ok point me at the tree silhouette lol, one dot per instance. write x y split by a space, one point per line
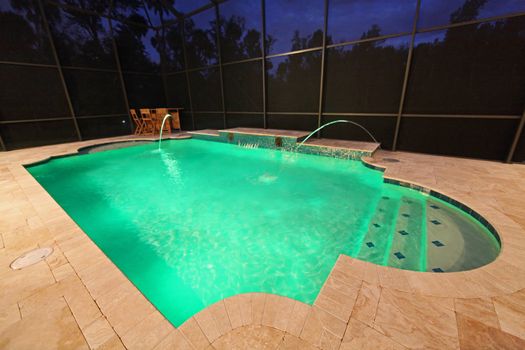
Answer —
201 42
293 85
472 69
80 39
173 47
131 43
238 41
468 11
99 6
30 42
365 77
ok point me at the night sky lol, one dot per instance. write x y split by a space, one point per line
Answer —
348 19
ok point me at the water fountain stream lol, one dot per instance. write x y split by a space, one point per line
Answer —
162 127
334 122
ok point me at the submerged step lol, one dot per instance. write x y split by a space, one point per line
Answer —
447 232
380 230
408 249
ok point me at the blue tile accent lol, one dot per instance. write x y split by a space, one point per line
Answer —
435 222
438 269
399 255
433 206
376 225
370 244
403 232
406 215
437 243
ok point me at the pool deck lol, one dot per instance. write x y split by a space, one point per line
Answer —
77 298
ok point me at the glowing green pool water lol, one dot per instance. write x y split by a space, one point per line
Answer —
199 221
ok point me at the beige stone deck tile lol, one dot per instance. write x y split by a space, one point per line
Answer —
479 309
368 271
49 329
475 335
317 322
416 321
16 285
277 311
61 225
101 277
128 312
291 342
147 333
98 333
438 284
43 299
56 259
233 308
329 341
115 296
284 313
366 304
338 304
9 314
250 337
297 318
82 305
511 313
258 302
25 239
113 343
342 287
174 341
245 306
83 257
34 222
393 278
218 311
6 258
466 287
12 219
63 272
347 272
478 284
194 334
207 324
74 242
359 336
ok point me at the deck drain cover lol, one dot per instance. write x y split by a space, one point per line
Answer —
31 257
391 160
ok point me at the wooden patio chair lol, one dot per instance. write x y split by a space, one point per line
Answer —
139 123
147 118
175 120
160 113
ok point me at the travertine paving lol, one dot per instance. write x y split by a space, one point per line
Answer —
77 298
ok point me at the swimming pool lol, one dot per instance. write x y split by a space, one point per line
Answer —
199 221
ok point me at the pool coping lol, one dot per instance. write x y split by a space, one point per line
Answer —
503 276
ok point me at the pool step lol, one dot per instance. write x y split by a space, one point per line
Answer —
380 231
408 249
446 242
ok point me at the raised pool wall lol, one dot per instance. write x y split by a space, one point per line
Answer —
286 143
